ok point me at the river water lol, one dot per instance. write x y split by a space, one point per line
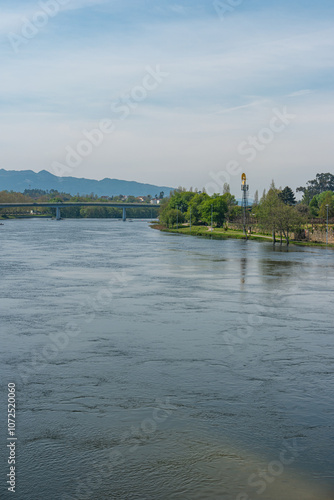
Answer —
156 366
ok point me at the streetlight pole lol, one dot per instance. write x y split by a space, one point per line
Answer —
327 226
190 219
177 217
211 217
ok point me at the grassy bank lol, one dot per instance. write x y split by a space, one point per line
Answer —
216 233
222 234
14 217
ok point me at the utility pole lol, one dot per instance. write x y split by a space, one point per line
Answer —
244 189
177 217
327 226
190 219
211 216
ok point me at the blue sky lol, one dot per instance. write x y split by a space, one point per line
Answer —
228 68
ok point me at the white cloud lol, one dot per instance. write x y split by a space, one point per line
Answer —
224 80
12 20
299 93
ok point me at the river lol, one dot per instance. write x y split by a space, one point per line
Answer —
156 366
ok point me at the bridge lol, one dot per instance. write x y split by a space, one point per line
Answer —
59 205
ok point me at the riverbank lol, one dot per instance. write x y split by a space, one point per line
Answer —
222 234
14 217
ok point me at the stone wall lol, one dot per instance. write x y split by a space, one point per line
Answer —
319 234
316 233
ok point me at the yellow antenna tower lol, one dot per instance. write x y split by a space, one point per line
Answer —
244 189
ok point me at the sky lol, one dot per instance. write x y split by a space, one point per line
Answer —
177 93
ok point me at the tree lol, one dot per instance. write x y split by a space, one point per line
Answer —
195 206
181 200
256 199
322 182
303 209
231 202
170 216
328 199
277 217
226 188
268 211
314 206
94 212
287 196
289 219
219 210
263 195
161 195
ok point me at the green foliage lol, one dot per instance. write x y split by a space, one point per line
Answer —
256 199
268 209
232 204
181 200
234 212
171 216
12 197
226 188
318 204
304 210
276 216
95 212
55 196
198 205
322 182
314 206
218 207
35 193
131 199
326 198
287 196
195 205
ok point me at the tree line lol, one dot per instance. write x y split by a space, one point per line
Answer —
198 207
277 212
53 196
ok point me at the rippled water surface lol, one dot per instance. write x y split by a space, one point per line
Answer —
158 366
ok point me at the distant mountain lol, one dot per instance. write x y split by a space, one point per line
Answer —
13 180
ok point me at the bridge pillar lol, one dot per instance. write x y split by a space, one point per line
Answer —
124 214
58 213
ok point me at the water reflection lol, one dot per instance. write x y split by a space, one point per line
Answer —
243 266
171 332
282 270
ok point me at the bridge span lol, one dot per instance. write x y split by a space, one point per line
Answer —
58 206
